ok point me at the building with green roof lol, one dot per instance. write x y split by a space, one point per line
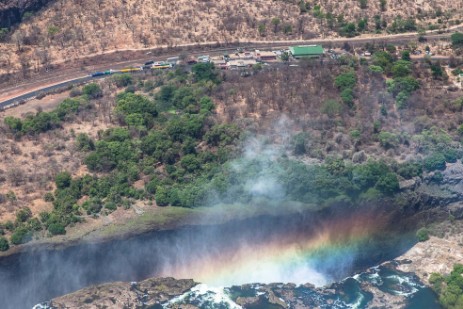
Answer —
307 51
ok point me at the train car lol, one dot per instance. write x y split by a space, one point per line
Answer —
161 65
96 74
129 70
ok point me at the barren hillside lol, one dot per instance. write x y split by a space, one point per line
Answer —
66 30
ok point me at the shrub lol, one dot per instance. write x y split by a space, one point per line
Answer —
21 235
331 108
162 196
4 244
63 180
422 234
434 162
299 143
388 139
48 197
93 91
56 229
346 80
110 206
457 40
122 80
23 214
388 184
84 142
409 170
376 69
347 96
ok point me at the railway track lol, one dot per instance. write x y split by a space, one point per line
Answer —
77 78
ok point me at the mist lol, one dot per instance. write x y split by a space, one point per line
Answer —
278 246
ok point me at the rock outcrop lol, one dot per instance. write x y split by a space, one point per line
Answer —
148 293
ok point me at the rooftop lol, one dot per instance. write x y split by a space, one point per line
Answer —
306 50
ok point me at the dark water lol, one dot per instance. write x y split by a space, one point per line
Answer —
39 275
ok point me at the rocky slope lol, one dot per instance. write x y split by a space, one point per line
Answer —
438 254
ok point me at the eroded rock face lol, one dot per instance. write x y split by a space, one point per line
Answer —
150 292
434 255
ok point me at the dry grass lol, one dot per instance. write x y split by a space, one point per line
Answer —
28 165
67 30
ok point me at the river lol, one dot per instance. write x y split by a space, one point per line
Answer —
297 248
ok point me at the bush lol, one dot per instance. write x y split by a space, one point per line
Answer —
162 196
93 91
110 206
123 80
331 108
346 80
63 180
388 184
457 40
56 229
299 143
422 234
84 142
4 244
23 214
21 235
388 139
409 170
434 162
347 97
48 197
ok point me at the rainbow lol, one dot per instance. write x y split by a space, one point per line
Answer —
297 257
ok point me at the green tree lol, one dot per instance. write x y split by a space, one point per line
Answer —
363 4
436 161
93 91
123 80
275 22
346 80
204 72
388 140
347 96
162 196
457 40
262 29
362 24
388 184
84 142
23 214
14 124
4 245
21 235
56 229
63 180
401 68
406 55
285 56
299 143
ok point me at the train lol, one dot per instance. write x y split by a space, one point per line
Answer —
149 65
